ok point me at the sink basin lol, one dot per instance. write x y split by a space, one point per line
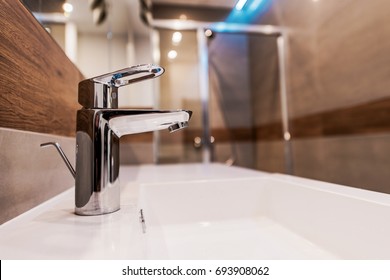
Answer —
273 217
195 211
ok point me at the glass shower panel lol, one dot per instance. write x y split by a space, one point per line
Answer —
179 88
243 73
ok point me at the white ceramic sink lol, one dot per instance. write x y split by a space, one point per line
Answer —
273 217
195 211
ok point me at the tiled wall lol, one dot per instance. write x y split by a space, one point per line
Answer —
29 174
338 71
338 67
338 92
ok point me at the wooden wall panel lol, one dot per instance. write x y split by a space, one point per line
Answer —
38 83
364 119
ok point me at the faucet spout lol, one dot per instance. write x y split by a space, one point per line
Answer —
123 122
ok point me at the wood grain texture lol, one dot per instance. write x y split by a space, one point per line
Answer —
38 83
363 119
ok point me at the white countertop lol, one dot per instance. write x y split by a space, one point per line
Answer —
196 211
53 231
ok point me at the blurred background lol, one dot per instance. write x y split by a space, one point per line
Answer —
291 86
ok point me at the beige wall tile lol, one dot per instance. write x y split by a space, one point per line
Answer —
29 174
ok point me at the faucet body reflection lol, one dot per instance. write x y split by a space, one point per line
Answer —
97 151
100 124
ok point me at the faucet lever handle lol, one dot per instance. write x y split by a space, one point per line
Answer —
125 76
102 91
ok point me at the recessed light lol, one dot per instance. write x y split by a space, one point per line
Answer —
172 54
67 7
176 37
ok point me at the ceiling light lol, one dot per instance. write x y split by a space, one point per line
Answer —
176 37
172 54
67 7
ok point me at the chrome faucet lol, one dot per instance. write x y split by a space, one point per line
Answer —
100 124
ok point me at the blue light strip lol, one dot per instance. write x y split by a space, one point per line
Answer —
248 11
240 4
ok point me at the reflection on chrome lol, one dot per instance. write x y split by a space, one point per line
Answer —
100 124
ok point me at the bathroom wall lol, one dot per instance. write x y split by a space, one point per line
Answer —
230 106
338 92
38 103
179 89
338 68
